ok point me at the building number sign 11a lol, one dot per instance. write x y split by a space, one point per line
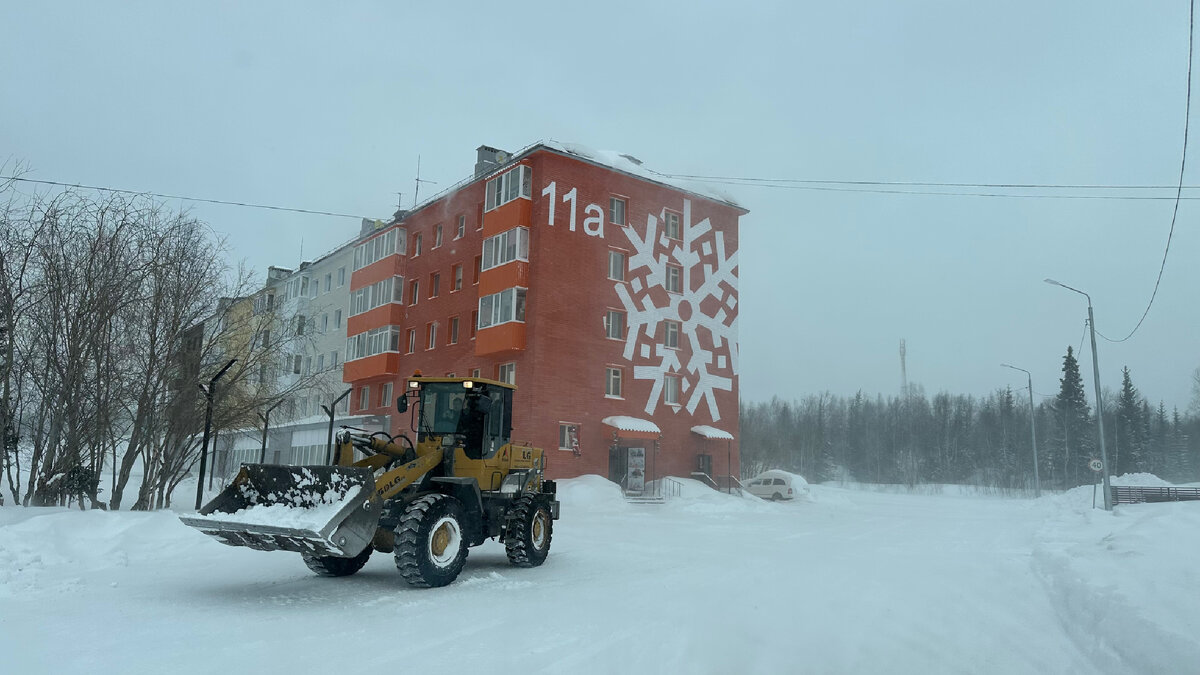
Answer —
593 221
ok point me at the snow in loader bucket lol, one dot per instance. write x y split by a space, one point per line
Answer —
319 510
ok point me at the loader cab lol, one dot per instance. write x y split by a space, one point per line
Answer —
476 414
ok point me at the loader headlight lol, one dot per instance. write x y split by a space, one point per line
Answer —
467 384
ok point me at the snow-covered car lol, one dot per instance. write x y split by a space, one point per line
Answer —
777 485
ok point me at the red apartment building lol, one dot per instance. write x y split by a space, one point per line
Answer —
609 297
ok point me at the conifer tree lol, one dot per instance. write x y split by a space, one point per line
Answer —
1073 421
1128 452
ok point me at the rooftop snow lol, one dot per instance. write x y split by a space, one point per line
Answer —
626 163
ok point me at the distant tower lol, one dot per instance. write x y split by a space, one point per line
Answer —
903 370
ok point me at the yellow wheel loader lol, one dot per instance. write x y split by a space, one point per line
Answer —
463 481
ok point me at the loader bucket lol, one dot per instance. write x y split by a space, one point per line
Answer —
319 510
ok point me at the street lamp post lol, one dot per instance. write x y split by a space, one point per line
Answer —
209 391
1099 401
1037 482
331 410
266 420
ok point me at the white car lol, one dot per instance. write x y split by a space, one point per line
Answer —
777 485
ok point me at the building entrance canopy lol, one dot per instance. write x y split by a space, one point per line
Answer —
632 427
712 432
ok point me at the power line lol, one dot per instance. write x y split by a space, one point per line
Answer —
744 180
900 187
1187 108
184 198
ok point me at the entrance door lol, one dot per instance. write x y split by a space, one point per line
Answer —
618 464
704 464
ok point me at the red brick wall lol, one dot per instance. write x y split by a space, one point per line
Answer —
560 374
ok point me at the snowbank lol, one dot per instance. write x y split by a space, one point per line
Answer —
590 493
1116 579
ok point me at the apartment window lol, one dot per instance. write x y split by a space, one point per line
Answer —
374 341
430 335
416 245
385 396
509 186
320 362
377 294
307 365
614 324
616 211
568 436
474 372
329 282
671 334
671 389
412 340
262 373
507 372
324 323
453 331
673 229
364 398
266 338
507 305
462 227
414 292
506 247
300 324
337 318
376 248
437 236
478 268
616 265
297 360
612 382
333 358
674 279
271 301
341 277
303 287
457 286
435 284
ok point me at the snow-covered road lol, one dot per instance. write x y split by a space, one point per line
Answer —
851 582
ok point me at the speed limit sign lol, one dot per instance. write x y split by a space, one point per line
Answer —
1096 465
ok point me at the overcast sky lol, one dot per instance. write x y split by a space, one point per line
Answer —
301 105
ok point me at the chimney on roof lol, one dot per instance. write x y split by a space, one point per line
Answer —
488 158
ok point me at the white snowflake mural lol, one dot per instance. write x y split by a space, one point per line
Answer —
706 311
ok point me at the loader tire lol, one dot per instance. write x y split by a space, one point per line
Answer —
530 529
332 566
431 548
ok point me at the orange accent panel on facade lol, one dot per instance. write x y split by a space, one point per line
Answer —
505 337
387 363
384 268
391 314
513 214
511 274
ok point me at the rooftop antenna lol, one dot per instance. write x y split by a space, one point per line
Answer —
417 191
903 370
